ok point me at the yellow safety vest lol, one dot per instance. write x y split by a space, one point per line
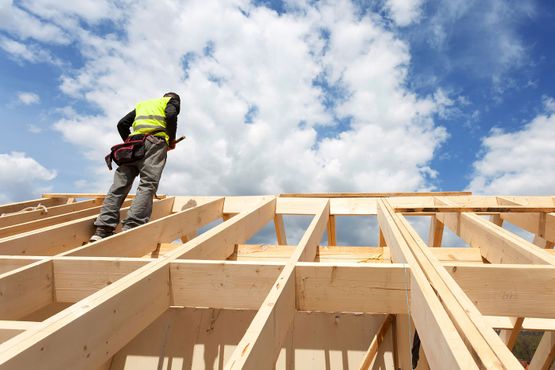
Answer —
150 116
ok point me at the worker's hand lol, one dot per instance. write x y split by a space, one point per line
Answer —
172 145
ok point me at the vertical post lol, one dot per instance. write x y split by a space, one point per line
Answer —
436 233
331 231
280 230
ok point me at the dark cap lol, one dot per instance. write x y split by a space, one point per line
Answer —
172 95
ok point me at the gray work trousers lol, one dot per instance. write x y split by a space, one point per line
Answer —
150 170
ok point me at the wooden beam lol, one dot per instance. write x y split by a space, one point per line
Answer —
509 337
529 323
234 231
19 207
265 336
225 285
10 328
9 263
25 290
20 218
474 209
329 287
53 220
374 195
443 345
473 328
61 238
280 230
496 244
508 290
144 239
378 339
381 239
331 231
545 353
436 233
77 278
109 317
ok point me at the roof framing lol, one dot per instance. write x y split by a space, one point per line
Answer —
193 254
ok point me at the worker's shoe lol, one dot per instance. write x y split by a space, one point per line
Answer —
101 233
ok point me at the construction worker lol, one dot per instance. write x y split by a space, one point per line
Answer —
155 121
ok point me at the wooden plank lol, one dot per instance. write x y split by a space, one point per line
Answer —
240 204
509 337
331 231
53 220
9 328
508 290
442 343
259 252
378 339
529 323
297 206
49 212
75 279
374 195
65 196
110 318
353 206
261 344
281 237
9 263
496 244
489 349
474 209
435 235
381 239
234 231
26 290
329 287
18 207
144 239
308 245
445 254
60 238
545 353
226 285
181 203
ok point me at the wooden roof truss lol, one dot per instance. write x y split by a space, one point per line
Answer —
65 304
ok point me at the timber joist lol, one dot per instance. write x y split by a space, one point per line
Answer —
194 288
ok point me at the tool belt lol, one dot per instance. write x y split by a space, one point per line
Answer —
131 150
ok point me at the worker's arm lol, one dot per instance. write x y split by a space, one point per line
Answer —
125 124
172 110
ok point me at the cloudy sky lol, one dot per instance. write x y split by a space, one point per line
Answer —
284 96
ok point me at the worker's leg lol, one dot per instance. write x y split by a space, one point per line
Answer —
108 219
151 168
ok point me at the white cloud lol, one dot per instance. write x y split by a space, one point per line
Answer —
28 98
22 177
519 162
27 52
34 129
246 56
404 12
25 25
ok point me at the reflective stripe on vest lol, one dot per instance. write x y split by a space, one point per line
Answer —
150 115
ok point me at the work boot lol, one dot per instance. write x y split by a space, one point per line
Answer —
101 233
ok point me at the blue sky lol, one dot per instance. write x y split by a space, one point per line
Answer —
284 96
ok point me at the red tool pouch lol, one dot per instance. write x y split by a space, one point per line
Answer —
131 150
